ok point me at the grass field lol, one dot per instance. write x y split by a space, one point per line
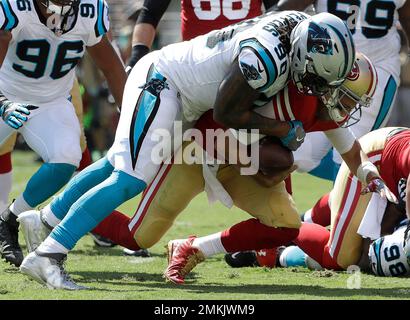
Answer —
110 275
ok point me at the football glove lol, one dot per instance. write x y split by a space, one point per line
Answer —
14 114
295 136
378 185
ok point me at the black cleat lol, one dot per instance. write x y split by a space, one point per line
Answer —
143 253
100 241
241 259
9 232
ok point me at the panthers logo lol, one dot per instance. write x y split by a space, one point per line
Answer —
155 86
250 72
319 40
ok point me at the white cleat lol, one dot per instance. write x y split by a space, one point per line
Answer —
34 229
48 269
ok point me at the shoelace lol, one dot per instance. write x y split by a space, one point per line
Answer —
64 273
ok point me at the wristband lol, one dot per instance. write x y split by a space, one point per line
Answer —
364 169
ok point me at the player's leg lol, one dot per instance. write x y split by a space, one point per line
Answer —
276 223
6 170
174 186
149 105
320 212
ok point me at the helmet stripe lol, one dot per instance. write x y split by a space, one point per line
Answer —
345 49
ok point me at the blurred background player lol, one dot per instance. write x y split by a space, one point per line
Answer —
35 82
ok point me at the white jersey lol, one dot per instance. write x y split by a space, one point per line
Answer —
196 68
39 65
387 257
374 29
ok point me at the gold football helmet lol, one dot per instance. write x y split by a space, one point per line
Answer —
355 92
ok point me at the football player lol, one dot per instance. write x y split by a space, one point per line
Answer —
41 42
374 28
276 220
343 246
226 70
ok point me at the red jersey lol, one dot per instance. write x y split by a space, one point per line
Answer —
395 162
287 105
199 17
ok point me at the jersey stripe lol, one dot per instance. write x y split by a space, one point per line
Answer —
283 104
279 106
265 57
100 27
11 19
388 98
287 104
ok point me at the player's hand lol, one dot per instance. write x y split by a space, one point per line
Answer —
14 114
295 136
378 185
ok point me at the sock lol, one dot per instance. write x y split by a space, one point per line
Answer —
253 235
80 184
49 217
5 179
320 213
85 160
19 206
292 256
210 245
50 178
51 246
95 205
313 240
115 228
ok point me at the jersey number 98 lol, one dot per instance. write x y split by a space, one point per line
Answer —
37 52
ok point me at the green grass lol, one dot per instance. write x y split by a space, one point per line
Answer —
110 275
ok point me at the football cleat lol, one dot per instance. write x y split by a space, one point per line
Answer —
182 258
100 241
35 229
144 253
9 246
241 259
48 269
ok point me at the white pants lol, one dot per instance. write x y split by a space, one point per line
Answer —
150 106
52 131
316 145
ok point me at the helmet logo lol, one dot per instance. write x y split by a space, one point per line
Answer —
250 72
319 40
354 74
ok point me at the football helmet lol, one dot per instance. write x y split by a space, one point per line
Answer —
61 7
322 53
345 104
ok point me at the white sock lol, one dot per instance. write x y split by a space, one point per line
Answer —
20 205
210 245
5 189
49 216
52 246
307 217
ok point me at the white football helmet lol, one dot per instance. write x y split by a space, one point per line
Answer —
322 53
345 105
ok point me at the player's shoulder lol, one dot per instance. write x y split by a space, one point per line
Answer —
14 13
95 15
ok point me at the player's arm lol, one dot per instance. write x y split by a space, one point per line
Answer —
233 108
299 5
5 38
404 17
270 4
145 28
108 61
356 159
364 262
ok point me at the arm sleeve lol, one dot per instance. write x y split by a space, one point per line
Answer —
152 11
341 138
101 23
8 19
268 4
257 64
